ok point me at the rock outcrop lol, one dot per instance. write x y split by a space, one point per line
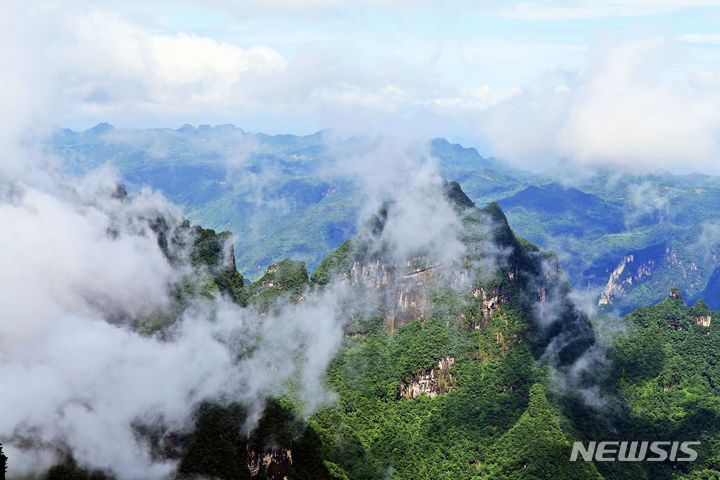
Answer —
431 382
490 300
272 464
404 290
287 278
650 269
702 320
617 283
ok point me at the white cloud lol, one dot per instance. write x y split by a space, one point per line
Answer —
636 103
476 98
80 269
645 199
586 9
307 7
102 66
709 38
108 63
633 106
627 111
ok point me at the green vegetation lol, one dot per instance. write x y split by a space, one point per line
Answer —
535 447
427 437
286 279
287 200
220 448
464 421
213 252
494 415
3 462
333 264
664 385
217 446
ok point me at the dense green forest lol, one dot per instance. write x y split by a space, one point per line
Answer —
466 388
663 383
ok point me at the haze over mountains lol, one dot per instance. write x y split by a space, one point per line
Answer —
433 343
624 238
367 302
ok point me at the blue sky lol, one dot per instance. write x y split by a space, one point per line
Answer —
438 33
525 80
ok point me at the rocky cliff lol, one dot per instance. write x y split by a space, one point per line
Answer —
641 277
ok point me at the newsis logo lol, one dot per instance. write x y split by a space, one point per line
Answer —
634 451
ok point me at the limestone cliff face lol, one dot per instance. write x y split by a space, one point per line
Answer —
654 268
496 268
404 290
272 464
431 382
620 279
490 300
702 320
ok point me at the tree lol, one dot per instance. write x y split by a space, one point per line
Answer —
535 447
3 463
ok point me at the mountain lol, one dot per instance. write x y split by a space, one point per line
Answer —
293 196
281 195
533 446
631 240
438 377
438 360
642 273
484 179
663 384
565 220
470 366
559 211
272 192
433 374
711 294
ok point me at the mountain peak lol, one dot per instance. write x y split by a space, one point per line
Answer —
675 294
494 211
456 196
100 128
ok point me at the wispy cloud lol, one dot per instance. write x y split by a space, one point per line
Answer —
707 38
593 9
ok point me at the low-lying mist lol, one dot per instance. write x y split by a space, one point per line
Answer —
82 268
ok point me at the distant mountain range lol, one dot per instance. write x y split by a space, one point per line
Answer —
623 238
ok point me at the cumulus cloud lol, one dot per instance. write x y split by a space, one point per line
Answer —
638 101
109 62
630 107
118 67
